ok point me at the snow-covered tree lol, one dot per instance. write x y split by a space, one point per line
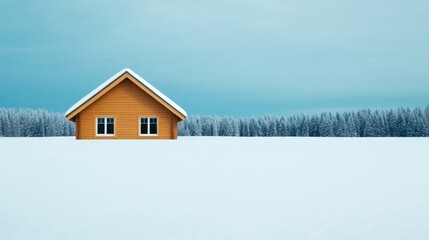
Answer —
24 122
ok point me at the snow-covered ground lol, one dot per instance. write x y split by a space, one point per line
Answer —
215 188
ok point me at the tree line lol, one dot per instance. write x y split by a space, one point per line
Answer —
400 122
25 122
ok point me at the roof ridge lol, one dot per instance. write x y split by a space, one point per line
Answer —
115 77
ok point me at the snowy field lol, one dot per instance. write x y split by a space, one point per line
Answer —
214 188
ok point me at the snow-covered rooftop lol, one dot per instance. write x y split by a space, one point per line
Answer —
116 76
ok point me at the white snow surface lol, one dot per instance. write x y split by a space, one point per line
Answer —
116 76
215 188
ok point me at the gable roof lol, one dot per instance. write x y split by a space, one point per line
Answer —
111 80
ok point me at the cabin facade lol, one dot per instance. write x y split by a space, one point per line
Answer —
126 107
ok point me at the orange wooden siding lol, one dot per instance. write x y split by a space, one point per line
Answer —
126 102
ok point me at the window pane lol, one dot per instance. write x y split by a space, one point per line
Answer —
100 120
100 128
110 120
143 128
110 127
153 120
153 128
143 120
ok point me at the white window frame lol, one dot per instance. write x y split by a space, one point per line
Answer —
105 126
148 126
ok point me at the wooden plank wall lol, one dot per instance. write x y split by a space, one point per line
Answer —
126 102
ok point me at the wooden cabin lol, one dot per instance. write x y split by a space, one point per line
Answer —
126 107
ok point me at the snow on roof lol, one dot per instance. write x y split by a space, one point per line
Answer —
116 76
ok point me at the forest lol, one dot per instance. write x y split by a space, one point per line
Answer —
400 122
25 122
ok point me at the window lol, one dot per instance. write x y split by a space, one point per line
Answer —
149 126
105 126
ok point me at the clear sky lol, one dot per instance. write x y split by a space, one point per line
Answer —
235 58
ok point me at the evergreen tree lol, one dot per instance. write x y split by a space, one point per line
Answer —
326 125
291 128
313 128
303 126
281 126
254 128
272 127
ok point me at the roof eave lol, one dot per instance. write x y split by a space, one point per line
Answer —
71 112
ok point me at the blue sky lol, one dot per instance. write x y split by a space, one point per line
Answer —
235 58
